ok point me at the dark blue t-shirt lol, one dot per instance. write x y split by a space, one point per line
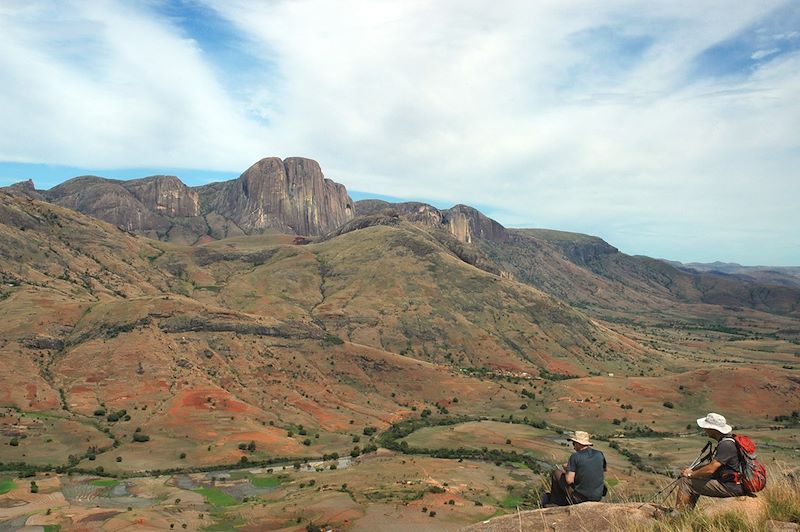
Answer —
589 465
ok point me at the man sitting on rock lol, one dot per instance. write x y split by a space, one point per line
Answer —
583 476
718 477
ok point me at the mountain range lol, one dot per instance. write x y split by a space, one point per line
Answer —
257 308
289 196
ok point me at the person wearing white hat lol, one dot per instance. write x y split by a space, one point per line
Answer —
717 478
583 476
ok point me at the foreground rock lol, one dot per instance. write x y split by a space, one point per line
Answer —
586 517
601 517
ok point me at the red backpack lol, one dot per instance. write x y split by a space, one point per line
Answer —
753 475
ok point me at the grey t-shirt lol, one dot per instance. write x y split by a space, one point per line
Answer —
728 455
588 465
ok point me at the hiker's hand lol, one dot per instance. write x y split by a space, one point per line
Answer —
686 472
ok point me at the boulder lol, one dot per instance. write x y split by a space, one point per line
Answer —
586 517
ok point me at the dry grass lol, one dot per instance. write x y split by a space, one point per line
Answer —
781 501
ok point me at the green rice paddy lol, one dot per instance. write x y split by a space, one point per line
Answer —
271 481
217 497
6 485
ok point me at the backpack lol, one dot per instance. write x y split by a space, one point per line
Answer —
753 475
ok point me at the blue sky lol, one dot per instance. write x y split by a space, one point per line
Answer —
669 129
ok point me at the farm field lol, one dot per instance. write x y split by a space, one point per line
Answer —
457 493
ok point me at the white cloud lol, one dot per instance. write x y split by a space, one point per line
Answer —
761 54
104 84
585 115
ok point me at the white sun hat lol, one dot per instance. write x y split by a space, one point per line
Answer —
716 422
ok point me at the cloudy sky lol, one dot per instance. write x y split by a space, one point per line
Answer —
670 129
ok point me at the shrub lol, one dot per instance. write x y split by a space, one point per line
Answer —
140 438
668 404
307 442
14 442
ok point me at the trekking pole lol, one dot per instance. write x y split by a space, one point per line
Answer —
671 486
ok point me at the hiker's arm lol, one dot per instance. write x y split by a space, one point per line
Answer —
570 477
707 471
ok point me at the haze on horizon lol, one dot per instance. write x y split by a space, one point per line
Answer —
668 129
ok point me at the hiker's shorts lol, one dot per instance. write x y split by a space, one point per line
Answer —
708 487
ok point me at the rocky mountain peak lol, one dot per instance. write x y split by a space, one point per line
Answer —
289 195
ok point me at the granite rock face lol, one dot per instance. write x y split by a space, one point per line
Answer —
159 207
467 224
286 196
166 195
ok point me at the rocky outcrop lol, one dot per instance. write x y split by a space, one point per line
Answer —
23 188
467 224
464 223
285 196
